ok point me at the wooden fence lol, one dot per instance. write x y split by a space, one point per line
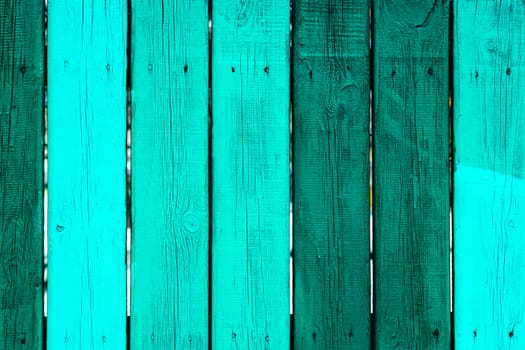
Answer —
208 199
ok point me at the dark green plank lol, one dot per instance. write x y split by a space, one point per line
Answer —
489 173
411 175
21 173
250 172
169 260
331 175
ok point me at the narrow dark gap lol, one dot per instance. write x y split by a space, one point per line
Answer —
44 333
210 177
44 175
291 143
128 51
128 332
371 79
451 162
128 177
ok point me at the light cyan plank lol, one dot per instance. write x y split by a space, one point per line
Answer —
250 175
21 173
87 174
169 160
489 172
331 104
411 175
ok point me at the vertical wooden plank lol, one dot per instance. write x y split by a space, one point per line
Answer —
169 295
250 173
331 175
411 175
87 160
489 40
21 173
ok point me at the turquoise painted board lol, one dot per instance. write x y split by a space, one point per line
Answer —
169 157
411 175
250 175
489 172
331 104
87 174
21 173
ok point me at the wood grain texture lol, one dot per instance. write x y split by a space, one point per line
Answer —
489 307
87 174
250 173
411 175
169 272
21 173
331 175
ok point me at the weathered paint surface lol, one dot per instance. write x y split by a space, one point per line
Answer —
169 157
331 175
411 175
489 196
21 173
87 174
250 175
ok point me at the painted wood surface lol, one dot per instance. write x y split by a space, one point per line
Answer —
489 40
169 272
21 173
411 175
87 174
331 175
250 173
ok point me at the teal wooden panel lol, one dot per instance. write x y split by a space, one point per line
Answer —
489 190
169 271
411 175
21 173
331 104
87 174
250 174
